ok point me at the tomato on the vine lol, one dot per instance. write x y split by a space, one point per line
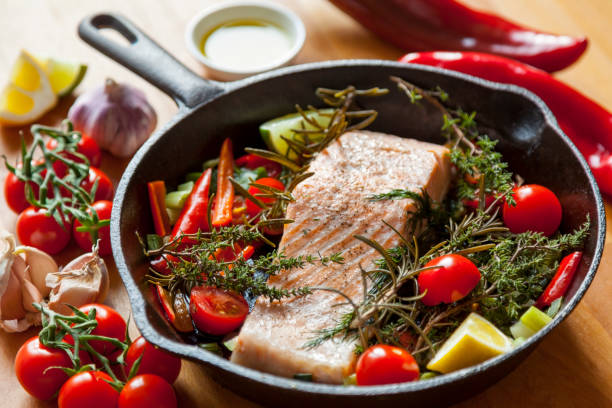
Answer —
153 361
88 389
14 189
537 209
383 364
252 208
35 227
217 311
83 238
454 277
147 391
105 186
32 368
110 324
87 146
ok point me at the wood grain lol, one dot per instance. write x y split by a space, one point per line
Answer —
571 368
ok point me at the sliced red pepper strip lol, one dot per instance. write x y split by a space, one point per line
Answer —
561 281
247 252
224 199
194 216
157 201
583 120
450 25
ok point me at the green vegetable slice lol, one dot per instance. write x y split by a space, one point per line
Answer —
535 319
187 186
194 176
176 199
274 130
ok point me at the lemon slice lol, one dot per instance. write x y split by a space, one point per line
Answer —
473 342
28 95
64 76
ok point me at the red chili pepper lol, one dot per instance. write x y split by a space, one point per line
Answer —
157 200
449 25
194 216
583 120
251 161
224 199
561 281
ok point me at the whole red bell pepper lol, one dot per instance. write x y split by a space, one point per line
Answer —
561 281
414 25
583 120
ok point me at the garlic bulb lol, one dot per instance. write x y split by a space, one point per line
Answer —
117 116
84 280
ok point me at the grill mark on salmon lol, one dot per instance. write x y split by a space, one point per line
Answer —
329 208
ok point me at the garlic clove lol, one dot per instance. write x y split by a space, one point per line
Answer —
29 293
84 280
11 304
40 264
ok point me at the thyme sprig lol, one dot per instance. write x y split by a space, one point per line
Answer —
62 195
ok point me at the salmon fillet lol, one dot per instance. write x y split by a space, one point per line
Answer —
329 208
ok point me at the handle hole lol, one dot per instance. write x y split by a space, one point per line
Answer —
116 36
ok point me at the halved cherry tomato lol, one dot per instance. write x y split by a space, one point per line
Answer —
252 208
105 187
32 368
252 162
83 238
110 324
454 278
147 391
383 364
154 360
89 389
36 228
537 209
217 311
86 146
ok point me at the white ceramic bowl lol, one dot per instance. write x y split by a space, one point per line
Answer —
216 15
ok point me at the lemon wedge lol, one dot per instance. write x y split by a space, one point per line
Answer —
28 94
473 342
64 76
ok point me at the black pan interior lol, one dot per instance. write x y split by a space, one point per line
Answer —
527 137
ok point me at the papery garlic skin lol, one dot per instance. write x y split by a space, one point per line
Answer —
117 116
40 264
84 280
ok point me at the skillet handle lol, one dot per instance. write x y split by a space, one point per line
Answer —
146 58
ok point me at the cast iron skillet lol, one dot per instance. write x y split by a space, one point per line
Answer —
209 111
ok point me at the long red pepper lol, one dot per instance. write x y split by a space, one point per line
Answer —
561 281
224 199
157 195
584 121
194 216
414 25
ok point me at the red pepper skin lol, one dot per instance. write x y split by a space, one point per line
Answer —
584 121
157 194
224 200
194 216
414 25
561 281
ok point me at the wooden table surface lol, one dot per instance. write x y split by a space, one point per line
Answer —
571 368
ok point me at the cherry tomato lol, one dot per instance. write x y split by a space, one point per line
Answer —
454 278
105 187
31 364
217 311
14 190
252 208
110 324
383 364
147 391
88 389
537 209
252 162
103 209
154 360
86 146
36 228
